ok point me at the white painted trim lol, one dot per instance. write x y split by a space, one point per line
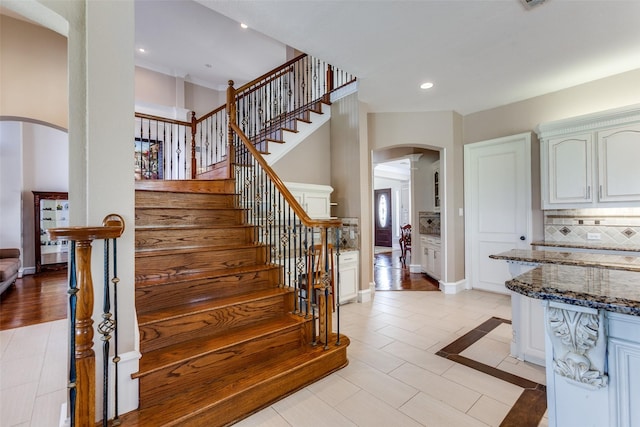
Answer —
415 268
26 271
454 287
364 295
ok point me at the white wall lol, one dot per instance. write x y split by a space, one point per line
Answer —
10 185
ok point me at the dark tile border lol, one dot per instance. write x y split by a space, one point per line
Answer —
532 403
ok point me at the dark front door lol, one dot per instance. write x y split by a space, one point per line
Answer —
383 221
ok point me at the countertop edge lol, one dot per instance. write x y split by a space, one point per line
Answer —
615 305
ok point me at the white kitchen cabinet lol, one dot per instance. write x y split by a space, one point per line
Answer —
618 171
569 172
430 259
624 369
590 161
348 276
315 199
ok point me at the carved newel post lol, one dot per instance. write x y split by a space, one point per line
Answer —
85 362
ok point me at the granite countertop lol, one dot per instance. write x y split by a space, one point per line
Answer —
612 290
584 245
583 259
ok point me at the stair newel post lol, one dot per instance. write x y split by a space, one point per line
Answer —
193 145
329 82
231 118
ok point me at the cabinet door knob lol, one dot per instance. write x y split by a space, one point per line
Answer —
523 238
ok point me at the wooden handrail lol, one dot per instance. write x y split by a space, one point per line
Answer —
85 384
269 73
211 113
163 119
304 217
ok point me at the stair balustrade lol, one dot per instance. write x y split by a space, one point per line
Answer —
301 245
82 370
173 149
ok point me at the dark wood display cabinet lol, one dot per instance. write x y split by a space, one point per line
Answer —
51 210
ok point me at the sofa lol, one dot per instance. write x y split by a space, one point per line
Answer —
9 267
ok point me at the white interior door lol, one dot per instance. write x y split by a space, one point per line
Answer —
498 207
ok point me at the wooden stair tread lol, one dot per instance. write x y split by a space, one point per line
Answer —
206 305
162 358
207 274
202 397
214 186
159 252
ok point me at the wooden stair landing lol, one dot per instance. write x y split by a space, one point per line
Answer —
218 335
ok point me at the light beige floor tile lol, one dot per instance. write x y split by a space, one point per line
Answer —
14 372
503 332
366 410
373 339
493 387
442 389
16 403
384 387
489 411
373 357
5 337
423 358
268 417
488 351
431 412
28 341
407 337
304 409
46 410
333 389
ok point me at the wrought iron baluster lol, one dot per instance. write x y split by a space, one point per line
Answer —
73 302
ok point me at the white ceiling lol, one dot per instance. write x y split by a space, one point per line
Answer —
479 54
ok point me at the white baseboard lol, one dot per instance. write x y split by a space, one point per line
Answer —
415 268
128 394
364 295
454 287
26 271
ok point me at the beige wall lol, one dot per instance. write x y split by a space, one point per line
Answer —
33 72
164 90
310 161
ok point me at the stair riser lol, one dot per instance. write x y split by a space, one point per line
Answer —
211 368
174 265
177 293
173 331
161 199
188 186
251 400
182 238
169 217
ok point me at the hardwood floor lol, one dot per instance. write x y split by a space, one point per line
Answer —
390 275
34 299
43 297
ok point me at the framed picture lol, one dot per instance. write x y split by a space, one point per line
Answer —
148 158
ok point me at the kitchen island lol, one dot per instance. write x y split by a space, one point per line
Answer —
592 341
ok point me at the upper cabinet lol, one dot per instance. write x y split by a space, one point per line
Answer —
590 161
315 199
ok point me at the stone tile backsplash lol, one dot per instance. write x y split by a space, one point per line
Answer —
615 226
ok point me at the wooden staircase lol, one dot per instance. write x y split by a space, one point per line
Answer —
276 134
218 335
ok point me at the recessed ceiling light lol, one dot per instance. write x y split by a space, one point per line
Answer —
426 85
243 25
141 50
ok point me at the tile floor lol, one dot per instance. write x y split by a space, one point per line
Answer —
393 378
